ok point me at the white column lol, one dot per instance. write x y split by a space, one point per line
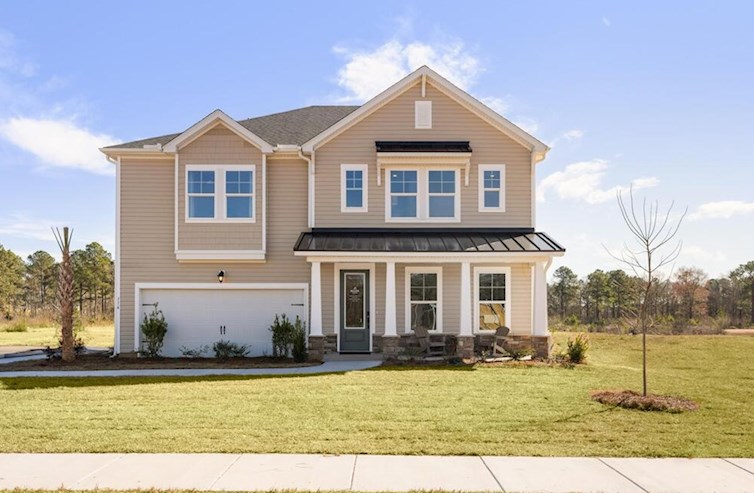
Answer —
315 325
390 322
466 322
539 318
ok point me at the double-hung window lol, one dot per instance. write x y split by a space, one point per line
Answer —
492 287
491 188
424 298
354 184
419 195
201 194
220 193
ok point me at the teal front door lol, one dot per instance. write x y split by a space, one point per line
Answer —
354 311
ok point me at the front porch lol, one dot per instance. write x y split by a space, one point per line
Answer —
370 301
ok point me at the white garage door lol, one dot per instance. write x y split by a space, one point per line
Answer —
198 317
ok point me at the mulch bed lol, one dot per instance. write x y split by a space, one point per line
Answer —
629 399
105 362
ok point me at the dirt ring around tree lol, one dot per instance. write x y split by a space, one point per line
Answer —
628 399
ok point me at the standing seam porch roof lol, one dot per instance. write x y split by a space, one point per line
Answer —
456 240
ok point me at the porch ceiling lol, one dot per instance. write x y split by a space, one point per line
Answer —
456 240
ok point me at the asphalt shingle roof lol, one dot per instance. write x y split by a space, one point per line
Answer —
289 127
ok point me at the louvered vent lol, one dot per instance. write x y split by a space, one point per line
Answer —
423 114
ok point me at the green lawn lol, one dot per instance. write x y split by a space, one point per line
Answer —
405 410
98 336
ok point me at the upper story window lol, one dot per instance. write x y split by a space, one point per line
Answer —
220 193
430 195
353 189
491 188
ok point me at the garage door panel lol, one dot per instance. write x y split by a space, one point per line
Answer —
196 316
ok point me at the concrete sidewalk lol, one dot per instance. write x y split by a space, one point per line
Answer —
374 473
326 367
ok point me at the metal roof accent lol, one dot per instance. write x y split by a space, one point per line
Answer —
422 146
457 240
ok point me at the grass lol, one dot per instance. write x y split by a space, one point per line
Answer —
106 362
96 335
516 410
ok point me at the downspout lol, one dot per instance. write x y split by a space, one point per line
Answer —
310 162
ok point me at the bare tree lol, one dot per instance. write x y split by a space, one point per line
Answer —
653 231
65 293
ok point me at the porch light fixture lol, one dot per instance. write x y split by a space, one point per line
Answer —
220 276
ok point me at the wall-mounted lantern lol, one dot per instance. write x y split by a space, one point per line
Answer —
220 276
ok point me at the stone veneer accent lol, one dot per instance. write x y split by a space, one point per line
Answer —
540 346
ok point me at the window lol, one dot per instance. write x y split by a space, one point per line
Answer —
491 188
238 194
423 114
220 193
422 195
404 189
442 191
492 289
201 194
424 298
353 188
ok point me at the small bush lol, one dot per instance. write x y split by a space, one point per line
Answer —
298 349
227 349
576 349
193 352
282 336
18 326
154 327
629 399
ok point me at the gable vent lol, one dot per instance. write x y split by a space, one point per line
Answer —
423 114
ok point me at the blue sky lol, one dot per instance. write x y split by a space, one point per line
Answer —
659 94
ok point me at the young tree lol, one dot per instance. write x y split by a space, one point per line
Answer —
653 233
40 285
744 274
65 293
565 288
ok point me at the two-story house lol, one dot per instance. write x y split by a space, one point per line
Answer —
416 208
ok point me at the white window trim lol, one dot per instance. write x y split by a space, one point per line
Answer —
427 106
508 301
422 195
481 170
407 296
220 195
364 184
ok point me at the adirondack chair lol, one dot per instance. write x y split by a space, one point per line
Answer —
432 348
501 338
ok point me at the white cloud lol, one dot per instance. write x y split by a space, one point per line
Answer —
367 73
696 254
9 60
529 125
499 105
570 135
24 227
723 209
606 22
59 143
582 182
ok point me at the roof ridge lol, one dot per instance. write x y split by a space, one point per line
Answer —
299 109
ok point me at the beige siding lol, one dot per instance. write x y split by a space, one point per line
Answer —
395 121
220 146
147 222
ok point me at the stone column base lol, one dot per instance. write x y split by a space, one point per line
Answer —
316 348
541 346
390 346
465 346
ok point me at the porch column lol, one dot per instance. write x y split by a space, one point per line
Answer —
390 322
539 310
466 323
315 324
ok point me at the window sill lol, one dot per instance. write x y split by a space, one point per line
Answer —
221 221
199 256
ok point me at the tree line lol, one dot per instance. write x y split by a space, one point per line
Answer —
29 287
686 298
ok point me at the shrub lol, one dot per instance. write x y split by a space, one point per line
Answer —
282 336
298 349
18 326
227 349
576 349
629 399
195 352
154 327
